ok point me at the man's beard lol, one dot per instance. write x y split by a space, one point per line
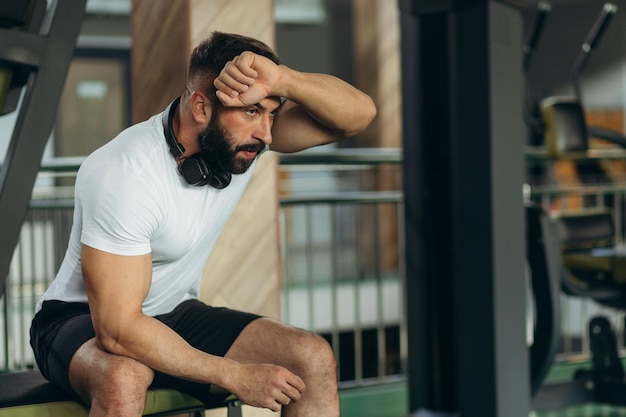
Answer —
216 144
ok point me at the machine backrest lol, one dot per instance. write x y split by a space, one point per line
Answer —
586 229
565 133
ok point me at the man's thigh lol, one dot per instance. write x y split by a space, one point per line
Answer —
58 330
271 341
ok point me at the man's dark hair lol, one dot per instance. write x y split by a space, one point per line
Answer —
209 58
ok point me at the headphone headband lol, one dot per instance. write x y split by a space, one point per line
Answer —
176 148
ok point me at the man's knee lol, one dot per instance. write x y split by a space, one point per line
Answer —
129 373
314 353
109 381
122 386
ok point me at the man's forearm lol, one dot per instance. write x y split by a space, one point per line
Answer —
157 346
332 102
320 108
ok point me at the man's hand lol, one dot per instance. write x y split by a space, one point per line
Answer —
246 80
266 386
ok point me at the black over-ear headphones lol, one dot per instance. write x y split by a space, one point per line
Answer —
195 169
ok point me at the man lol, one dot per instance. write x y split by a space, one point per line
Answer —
122 312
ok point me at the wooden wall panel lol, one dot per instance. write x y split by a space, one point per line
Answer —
245 17
247 256
160 51
377 60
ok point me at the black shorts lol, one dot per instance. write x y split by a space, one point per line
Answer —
60 328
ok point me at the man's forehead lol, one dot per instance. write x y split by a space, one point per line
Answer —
270 104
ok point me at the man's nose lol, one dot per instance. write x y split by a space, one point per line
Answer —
264 131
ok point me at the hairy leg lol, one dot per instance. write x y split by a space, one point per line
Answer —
113 385
304 353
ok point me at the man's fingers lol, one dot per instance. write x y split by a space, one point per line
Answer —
239 71
275 407
229 86
270 386
245 63
228 96
284 399
236 78
296 382
291 393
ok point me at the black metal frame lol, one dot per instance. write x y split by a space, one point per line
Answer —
544 264
47 56
463 139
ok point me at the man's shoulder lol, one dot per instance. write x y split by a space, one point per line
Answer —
135 145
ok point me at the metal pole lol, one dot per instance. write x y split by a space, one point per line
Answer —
48 55
463 174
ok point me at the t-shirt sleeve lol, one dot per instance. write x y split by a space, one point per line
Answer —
120 210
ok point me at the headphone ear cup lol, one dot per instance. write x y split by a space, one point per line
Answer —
220 180
195 170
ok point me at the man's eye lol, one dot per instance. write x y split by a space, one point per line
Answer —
251 112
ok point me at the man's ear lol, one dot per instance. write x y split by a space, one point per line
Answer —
201 107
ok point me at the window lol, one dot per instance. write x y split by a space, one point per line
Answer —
95 105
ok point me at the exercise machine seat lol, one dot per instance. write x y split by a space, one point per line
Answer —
29 394
593 266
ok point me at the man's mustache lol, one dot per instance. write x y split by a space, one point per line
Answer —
250 147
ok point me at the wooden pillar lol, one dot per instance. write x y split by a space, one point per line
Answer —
244 270
377 72
159 54
377 69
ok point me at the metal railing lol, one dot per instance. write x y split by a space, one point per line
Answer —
340 244
342 252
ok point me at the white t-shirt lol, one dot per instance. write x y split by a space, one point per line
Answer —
131 200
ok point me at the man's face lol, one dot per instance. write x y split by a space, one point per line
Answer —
221 148
235 136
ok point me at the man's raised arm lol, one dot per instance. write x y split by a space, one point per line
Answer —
319 108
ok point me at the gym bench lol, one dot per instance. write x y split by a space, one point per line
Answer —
29 394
